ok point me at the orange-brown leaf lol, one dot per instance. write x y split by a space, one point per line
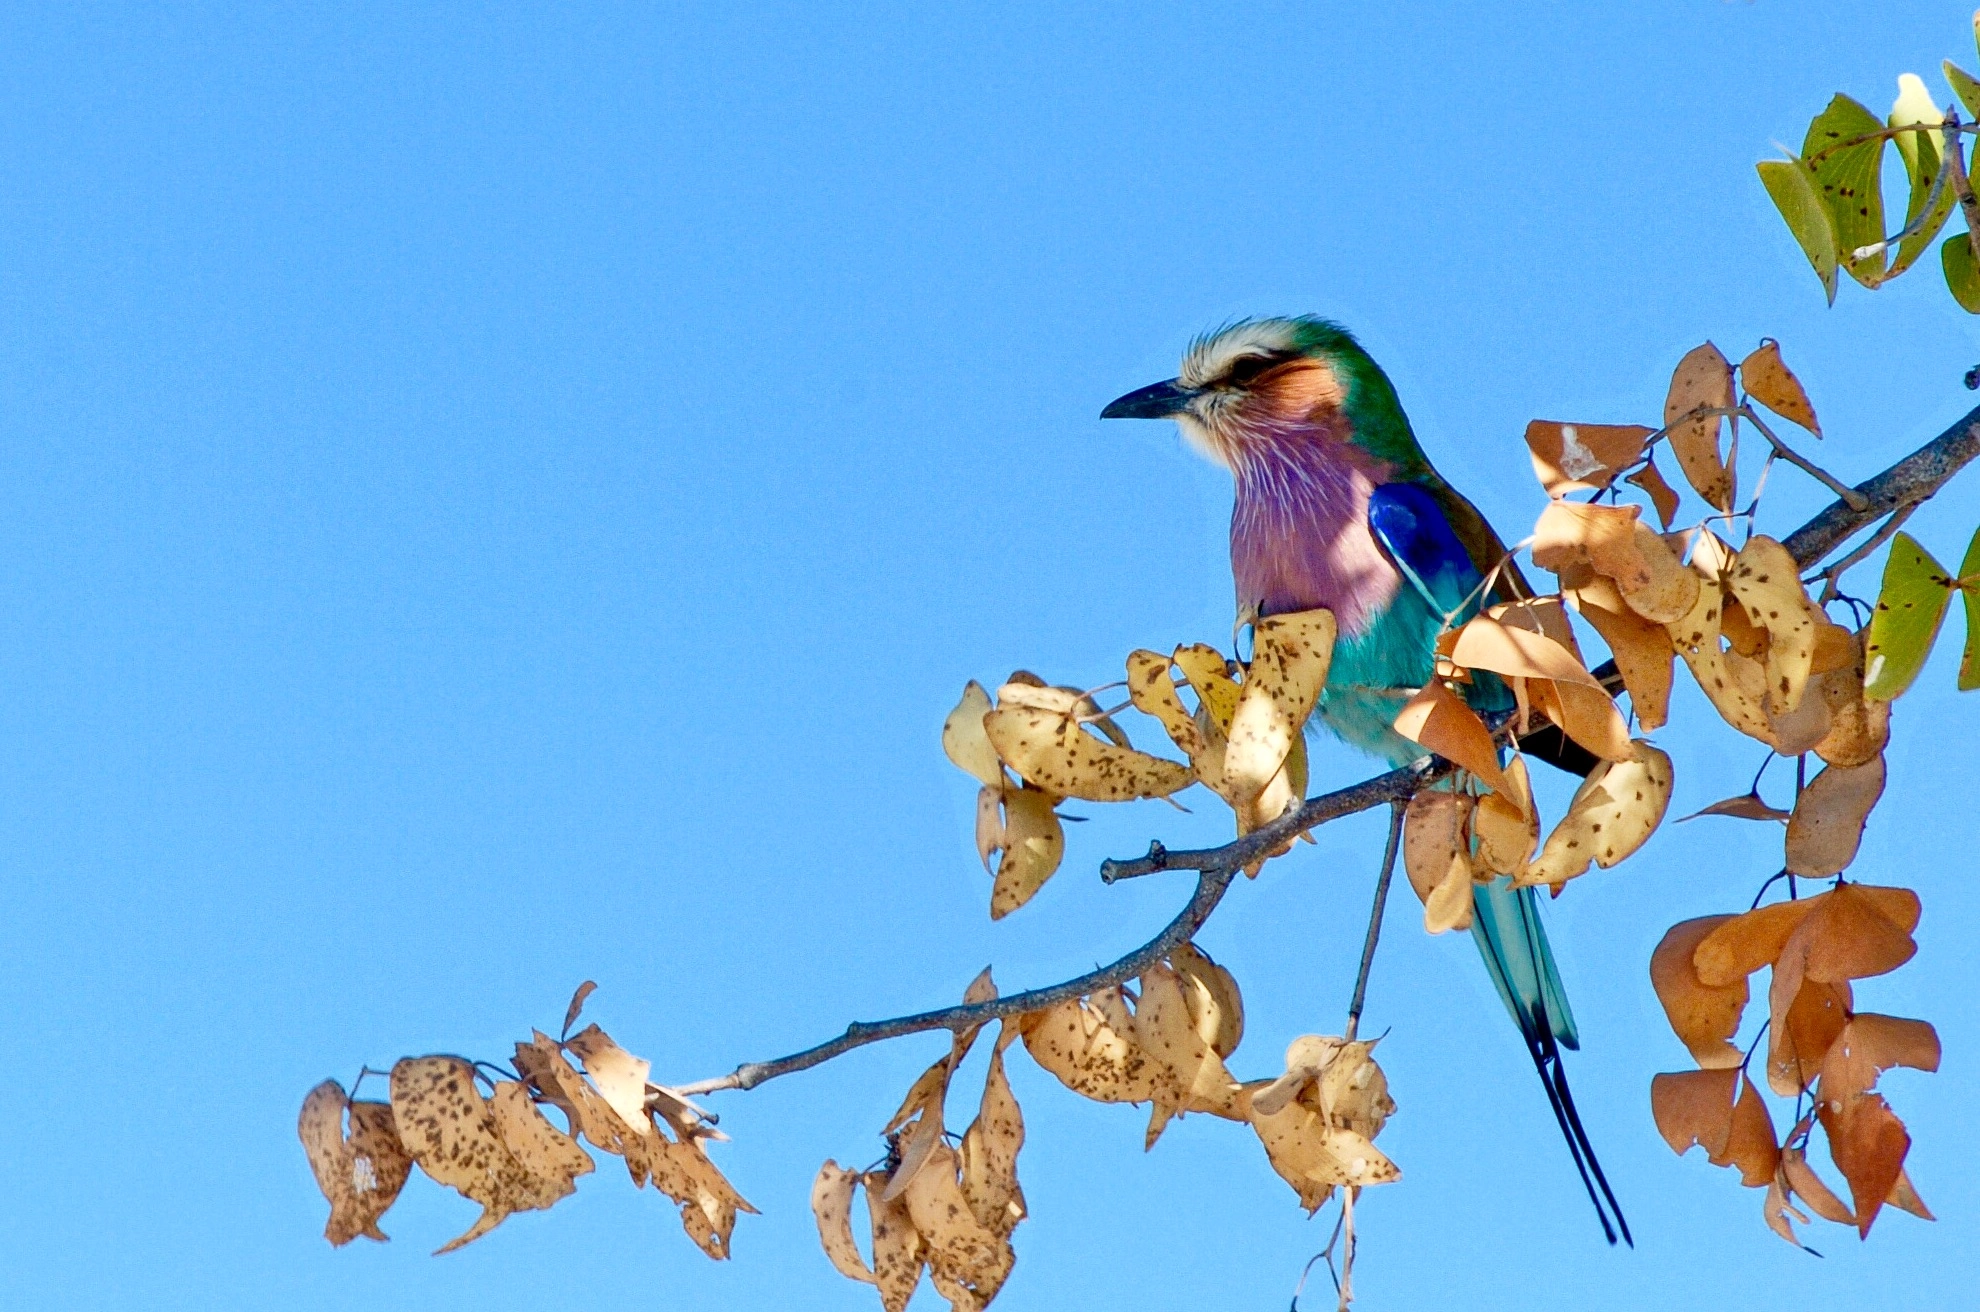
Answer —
1582 457
1705 1017
1662 495
1868 1143
1439 722
1771 383
1702 379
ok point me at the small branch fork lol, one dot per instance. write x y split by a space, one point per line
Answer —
1905 485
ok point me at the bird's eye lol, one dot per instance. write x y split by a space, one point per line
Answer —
1246 369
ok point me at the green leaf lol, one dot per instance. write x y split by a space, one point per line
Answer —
1962 271
1793 191
1922 154
1965 86
1850 181
1909 609
1969 661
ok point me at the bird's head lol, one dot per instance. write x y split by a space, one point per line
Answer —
1264 382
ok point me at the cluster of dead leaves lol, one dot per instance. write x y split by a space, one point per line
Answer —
501 1151
1820 1050
1164 1041
1243 741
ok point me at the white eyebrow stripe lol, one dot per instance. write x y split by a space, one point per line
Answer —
1210 357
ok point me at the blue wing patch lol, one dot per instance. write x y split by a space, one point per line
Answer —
1411 527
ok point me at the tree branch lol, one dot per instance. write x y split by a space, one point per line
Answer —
1912 480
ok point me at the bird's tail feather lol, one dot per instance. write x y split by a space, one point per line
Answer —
1506 926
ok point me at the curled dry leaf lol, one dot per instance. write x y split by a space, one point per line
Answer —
1799 1178
681 1170
1034 693
1827 824
1439 721
1720 1111
1796 1047
1165 1029
1033 841
543 1151
1215 1005
831 1207
1049 749
1613 813
1585 713
1868 1143
1506 826
619 1077
1702 379
1735 686
1290 658
1662 495
1766 581
1859 727
1153 690
576 1008
1088 1043
1602 538
1852 912
1582 457
1747 806
898 1251
990 1150
1771 383
965 743
449 1129
1704 1016
1641 647
361 1175
967 1262
1318 1120
1437 856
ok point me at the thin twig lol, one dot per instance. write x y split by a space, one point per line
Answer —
1375 918
1949 148
1963 188
1833 574
1850 496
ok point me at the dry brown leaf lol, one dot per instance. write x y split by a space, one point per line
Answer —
1049 749
1153 690
1033 843
1613 813
1216 1007
619 1077
360 1175
1486 644
1771 383
989 1153
551 1158
1767 583
1868 1143
1747 942
1076 1042
1314 1158
321 1129
1450 903
1603 538
831 1207
1662 495
964 741
1800 1178
1736 691
990 836
1436 839
1209 675
1506 825
709 1203
1696 1107
898 1250
1868 1045
1747 806
967 1261
541 1063
572 1012
1859 727
1669 589
1438 721
1582 457
1828 820
449 1129
1906 1198
1290 657
1165 1030
1847 933
1703 379
1781 1214
1704 1016
1586 714
1642 648
1795 1047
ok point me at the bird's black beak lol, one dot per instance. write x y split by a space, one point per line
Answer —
1155 401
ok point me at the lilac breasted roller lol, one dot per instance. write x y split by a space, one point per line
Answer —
1337 506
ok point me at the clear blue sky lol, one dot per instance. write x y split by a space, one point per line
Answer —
494 499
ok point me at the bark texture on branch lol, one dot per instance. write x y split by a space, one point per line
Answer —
1912 480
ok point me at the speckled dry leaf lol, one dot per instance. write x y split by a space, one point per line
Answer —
921 1115
572 1012
1438 721
989 1154
552 1158
1546 616
1208 674
541 1062
1868 1144
1051 751
1613 813
1352 1090
1704 1016
321 1129
964 741
681 1170
1165 1030
1153 690
831 1207
989 825
1306 1060
1034 842
1662 495
1642 648
1739 700
1449 905
964 1256
1828 820
1571 533
1586 714
1800 1178
380 1164
1668 590
1486 644
1216 1007
1703 378
898 1251
619 1077
1747 806
1797 1045
1290 656
1090 1056
1436 837
1034 694
450 1131
1767 583
1314 1157
1582 457
1771 383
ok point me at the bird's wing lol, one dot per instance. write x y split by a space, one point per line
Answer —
1412 526
1480 542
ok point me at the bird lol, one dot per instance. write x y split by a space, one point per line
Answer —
1337 506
